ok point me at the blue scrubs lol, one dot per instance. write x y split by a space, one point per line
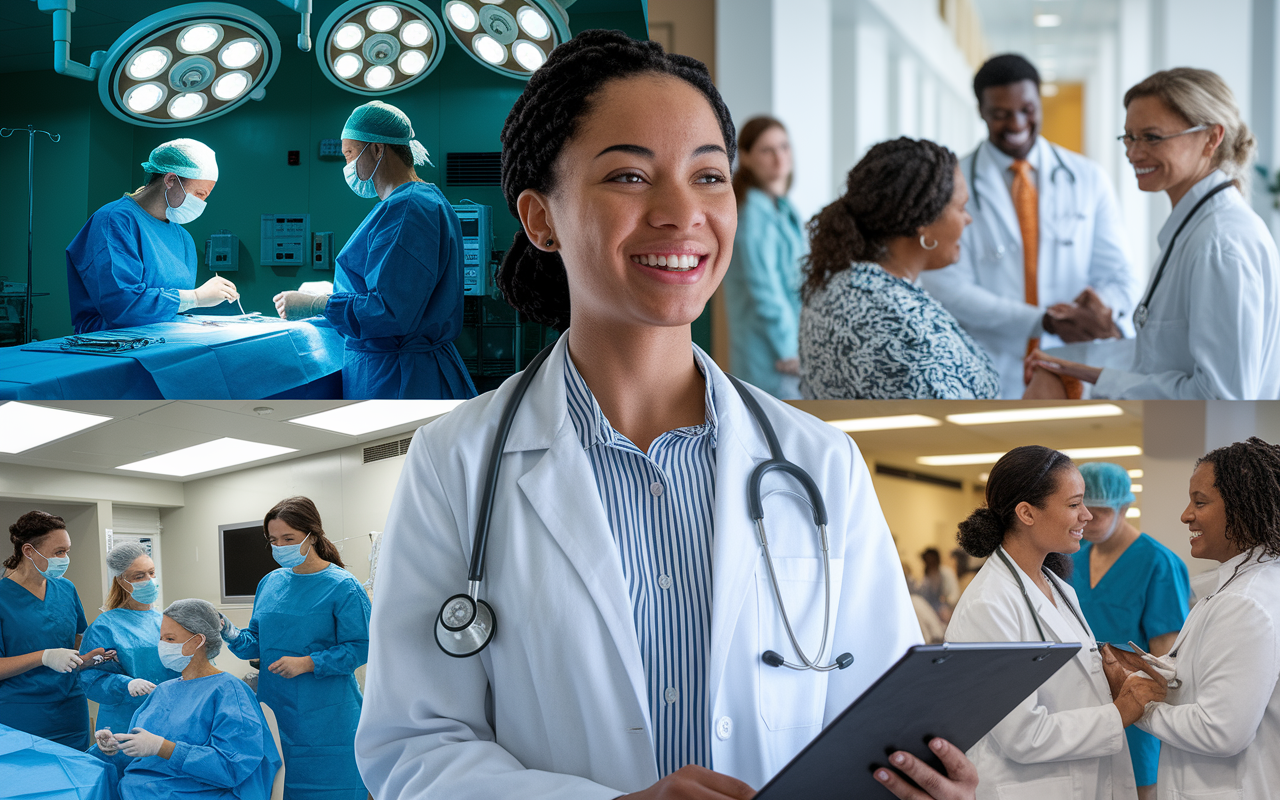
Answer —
1145 594
125 267
40 701
324 615
133 635
31 767
224 747
398 300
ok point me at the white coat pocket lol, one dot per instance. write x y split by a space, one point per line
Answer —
1058 787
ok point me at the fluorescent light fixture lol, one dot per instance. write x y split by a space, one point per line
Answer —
1079 453
1135 473
1087 453
376 415
1136 488
1048 89
885 423
1080 411
1048 20
1132 513
207 457
24 426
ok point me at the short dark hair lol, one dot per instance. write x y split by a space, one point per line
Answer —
1003 70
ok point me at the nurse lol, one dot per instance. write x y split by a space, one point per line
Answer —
634 600
1209 321
310 629
133 263
1066 741
398 286
130 625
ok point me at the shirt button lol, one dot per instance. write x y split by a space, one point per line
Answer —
664 581
724 728
671 694
655 489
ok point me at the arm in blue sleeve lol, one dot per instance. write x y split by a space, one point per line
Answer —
235 745
760 252
352 649
119 292
107 683
1168 597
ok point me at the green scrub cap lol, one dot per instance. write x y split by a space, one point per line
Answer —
1106 485
382 123
185 158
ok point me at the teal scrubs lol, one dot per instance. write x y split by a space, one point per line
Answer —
1145 594
40 701
133 635
324 615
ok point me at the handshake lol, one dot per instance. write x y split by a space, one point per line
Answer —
1083 320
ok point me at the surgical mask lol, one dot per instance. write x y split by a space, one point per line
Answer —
289 555
145 592
56 566
362 187
171 655
190 208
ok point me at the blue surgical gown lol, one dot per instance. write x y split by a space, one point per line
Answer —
324 615
40 701
133 635
35 768
1145 594
125 267
398 300
223 750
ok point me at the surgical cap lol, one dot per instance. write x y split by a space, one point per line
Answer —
380 122
122 555
1106 485
199 616
185 158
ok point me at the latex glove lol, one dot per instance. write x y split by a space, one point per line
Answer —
229 631
216 291
292 666
96 658
140 686
61 659
299 305
107 744
140 743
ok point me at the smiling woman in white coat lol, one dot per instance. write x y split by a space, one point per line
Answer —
1066 741
633 601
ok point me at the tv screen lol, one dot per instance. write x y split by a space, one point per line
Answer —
246 559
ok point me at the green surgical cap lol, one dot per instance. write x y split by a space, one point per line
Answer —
185 158
1106 485
380 122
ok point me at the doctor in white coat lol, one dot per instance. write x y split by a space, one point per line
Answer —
632 599
1066 741
1077 227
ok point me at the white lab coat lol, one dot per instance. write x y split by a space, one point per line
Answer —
1214 325
1081 245
1221 727
1066 741
556 706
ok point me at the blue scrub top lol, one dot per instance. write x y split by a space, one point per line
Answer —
125 267
40 701
398 300
133 635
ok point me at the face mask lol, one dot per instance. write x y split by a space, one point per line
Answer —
190 208
145 592
171 655
289 555
56 566
363 188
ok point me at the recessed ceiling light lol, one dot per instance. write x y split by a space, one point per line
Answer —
885 423
983 476
1135 473
1048 20
1132 513
1077 453
376 415
207 457
1087 453
1080 411
24 426
1135 487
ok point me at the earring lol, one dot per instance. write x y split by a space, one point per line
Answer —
933 246
550 242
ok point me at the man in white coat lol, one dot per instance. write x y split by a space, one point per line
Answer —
1043 262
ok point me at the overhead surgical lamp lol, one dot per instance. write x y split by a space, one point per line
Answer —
377 47
510 37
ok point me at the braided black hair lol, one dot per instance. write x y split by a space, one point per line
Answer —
1247 475
898 186
544 118
1003 70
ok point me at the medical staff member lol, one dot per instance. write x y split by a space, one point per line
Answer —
130 625
398 286
634 603
1066 741
1043 262
310 629
1209 321
200 737
133 263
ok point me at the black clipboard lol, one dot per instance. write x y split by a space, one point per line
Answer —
956 691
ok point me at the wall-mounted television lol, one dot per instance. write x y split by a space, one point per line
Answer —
246 559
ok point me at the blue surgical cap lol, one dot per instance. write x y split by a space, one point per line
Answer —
383 123
200 617
1106 485
185 158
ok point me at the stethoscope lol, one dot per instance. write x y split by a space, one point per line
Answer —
1141 313
976 195
466 624
1031 607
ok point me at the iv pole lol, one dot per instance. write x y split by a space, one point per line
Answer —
5 133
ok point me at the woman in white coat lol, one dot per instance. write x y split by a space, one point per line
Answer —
631 599
1209 321
1065 741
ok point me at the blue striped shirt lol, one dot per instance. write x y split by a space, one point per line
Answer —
660 506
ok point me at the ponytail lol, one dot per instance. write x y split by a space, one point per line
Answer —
534 282
302 515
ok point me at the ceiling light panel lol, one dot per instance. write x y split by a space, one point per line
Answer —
510 37
1076 453
885 423
1079 411
376 415
207 457
377 48
24 426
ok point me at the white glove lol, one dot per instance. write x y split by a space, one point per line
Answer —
216 291
60 659
1167 667
140 743
140 686
106 742
229 631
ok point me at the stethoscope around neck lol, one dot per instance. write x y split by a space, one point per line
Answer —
975 195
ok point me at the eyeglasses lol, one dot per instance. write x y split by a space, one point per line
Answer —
1154 139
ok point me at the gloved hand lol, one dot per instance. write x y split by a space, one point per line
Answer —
299 305
106 742
216 290
61 659
229 631
140 686
140 743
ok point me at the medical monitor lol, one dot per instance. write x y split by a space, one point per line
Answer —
245 559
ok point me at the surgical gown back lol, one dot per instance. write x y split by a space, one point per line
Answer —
324 615
398 300
133 635
125 267
48 704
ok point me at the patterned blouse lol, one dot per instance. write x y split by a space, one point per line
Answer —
870 335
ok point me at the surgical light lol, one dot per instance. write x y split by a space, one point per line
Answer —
379 77
149 63
239 54
145 97
414 34
199 38
384 18
376 48
511 37
489 49
347 65
412 62
187 105
529 55
461 16
231 85
348 36
533 23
